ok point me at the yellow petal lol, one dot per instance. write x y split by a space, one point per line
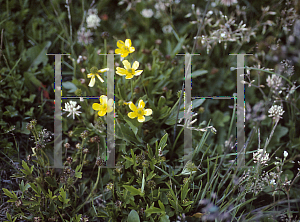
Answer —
132 115
132 106
124 54
129 76
128 43
120 44
90 75
103 99
147 112
118 51
103 70
121 71
135 65
96 106
92 82
131 49
102 113
100 78
141 104
138 72
141 119
126 64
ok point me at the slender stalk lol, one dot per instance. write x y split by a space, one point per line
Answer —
95 185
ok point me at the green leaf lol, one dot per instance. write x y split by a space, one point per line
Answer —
9 194
51 181
23 187
77 173
154 210
161 101
133 216
164 218
26 170
195 103
31 82
131 124
133 190
30 112
151 175
37 54
197 73
71 87
143 183
163 141
63 196
161 205
184 191
11 111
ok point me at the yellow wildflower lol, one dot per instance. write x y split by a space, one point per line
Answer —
104 106
128 71
124 48
94 72
139 111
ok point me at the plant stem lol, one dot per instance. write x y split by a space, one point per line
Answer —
86 200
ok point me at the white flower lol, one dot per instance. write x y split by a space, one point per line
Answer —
71 107
272 182
285 154
84 36
258 156
167 29
274 81
276 111
147 13
93 21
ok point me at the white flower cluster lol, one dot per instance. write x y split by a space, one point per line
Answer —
276 111
147 13
274 82
71 107
260 157
93 21
84 36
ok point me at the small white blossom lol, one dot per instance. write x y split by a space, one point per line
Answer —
147 13
167 29
272 182
276 111
93 21
258 156
84 36
274 81
71 107
285 154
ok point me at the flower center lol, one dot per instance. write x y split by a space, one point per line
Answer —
140 112
94 70
131 71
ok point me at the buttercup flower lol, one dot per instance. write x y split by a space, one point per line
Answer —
104 106
71 107
124 48
128 71
94 72
139 111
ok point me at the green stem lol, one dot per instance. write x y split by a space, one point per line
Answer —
98 177
131 90
105 52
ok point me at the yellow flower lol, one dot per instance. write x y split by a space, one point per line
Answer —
128 71
139 111
94 72
104 106
124 48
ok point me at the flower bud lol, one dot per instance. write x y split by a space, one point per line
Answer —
104 35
